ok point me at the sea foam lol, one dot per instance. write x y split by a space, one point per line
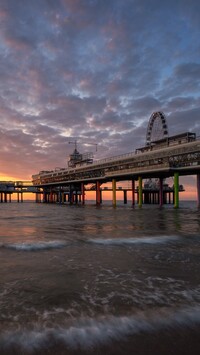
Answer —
34 246
89 332
129 241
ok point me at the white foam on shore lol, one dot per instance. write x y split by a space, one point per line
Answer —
34 246
87 333
130 241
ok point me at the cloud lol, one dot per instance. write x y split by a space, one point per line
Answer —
184 121
93 71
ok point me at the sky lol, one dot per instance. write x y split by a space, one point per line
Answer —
93 71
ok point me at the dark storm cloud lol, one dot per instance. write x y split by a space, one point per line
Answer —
93 70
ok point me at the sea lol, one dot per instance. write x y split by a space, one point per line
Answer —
86 279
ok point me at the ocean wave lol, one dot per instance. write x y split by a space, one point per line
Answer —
34 246
129 241
88 333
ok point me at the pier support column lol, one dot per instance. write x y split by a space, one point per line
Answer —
98 193
51 196
198 190
54 197
71 196
176 190
101 196
165 194
161 191
125 196
59 196
140 191
63 197
38 197
76 197
83 193
133 192
114 192
46 196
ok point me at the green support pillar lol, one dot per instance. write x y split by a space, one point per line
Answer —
114 192
176 190
140 191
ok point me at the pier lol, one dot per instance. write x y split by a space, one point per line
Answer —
148 167
169 156
8 189
17 189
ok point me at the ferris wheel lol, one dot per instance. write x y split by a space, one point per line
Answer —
157 127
